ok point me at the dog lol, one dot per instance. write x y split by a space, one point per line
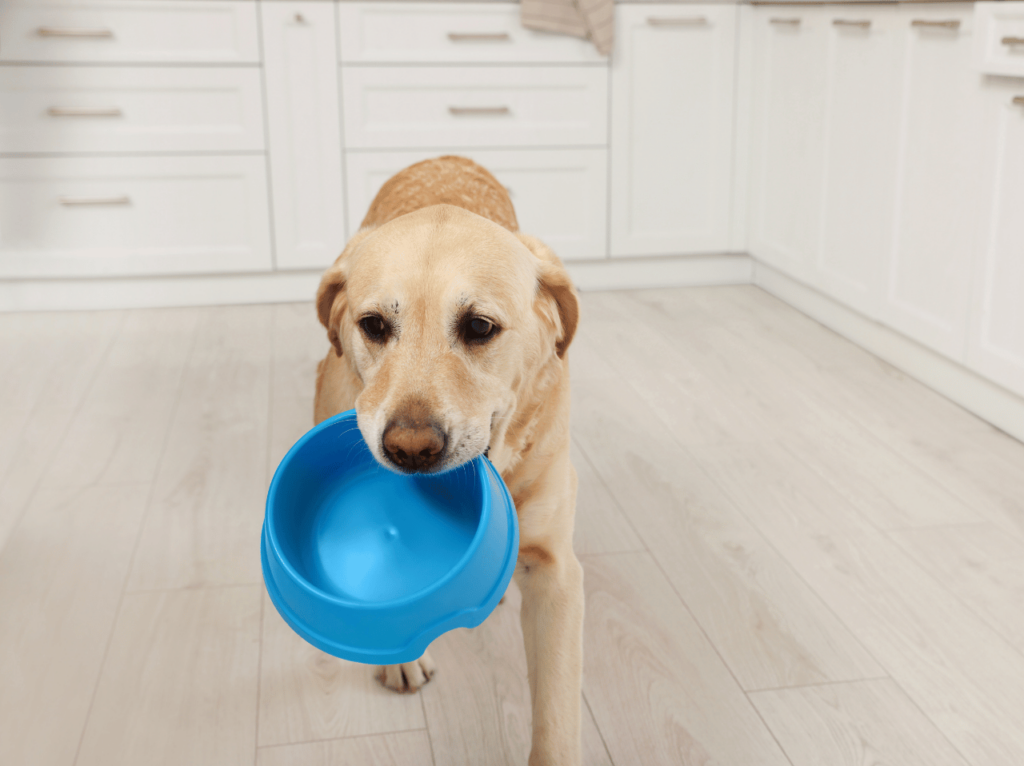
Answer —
449 330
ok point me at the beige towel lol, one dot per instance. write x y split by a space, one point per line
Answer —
592 20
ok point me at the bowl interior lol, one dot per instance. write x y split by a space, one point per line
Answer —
355 530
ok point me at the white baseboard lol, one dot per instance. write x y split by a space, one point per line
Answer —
285 286
987 400
152 292
665 271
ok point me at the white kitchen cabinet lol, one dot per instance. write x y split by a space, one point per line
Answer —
129 31
940 178
560 195
119 109
671 144
390 107
862 101
451 33
996 341
304 127
120 216
999 43
787 141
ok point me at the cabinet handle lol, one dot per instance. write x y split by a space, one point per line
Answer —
1013 41
862 24
123 199
680 21
1018 101
479 110
82 111
785 22
300 19
62 32
947 24
479 37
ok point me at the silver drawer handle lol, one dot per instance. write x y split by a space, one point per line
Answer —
1013 41
1018 101
76 111
62 32
791 22
124 199
948 24
865 24
479 37
479 110
681 21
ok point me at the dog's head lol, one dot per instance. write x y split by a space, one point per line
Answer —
445 316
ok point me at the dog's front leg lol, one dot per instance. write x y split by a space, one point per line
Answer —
551 582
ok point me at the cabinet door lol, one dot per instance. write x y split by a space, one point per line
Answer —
65 109
304 132
560 195
104 216
996 343
787 137
861 141
129 31
405 107
940 190
672 128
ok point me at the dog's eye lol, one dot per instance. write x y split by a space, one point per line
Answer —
374 328
479 330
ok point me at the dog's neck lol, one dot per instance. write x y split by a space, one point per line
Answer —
538 426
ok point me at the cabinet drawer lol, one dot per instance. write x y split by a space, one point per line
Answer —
560 195
999 39
108 216
137 31
425 107
159 109
381 32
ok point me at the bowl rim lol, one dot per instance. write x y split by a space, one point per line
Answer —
475 465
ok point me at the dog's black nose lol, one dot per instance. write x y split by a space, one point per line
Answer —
413 444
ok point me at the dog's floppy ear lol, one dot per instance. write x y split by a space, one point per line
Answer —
330 303
557 300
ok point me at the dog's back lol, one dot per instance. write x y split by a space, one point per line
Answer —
445 180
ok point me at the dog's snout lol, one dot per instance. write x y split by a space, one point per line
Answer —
414 445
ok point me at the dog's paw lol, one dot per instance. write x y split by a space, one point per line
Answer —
407 678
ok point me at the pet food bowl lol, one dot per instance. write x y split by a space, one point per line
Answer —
372 566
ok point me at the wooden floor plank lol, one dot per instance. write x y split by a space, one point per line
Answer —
601 527
852 724
478 705
308 695
961 673
61 577
53 372
204 525
411 748
981 565
659 692
886 489
118 434
179 683
769 626
299 344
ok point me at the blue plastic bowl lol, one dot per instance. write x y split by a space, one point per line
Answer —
372 566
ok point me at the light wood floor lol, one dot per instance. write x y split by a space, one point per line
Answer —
793 553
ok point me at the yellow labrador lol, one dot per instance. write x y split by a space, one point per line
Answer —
450 331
